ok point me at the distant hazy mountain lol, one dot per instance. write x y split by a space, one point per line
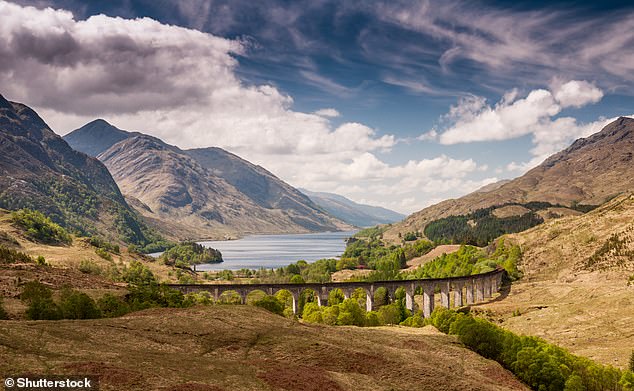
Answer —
39 170
351 212
202 192
590 171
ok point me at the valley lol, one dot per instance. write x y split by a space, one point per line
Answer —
225 195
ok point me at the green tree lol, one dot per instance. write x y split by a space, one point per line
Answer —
330 315
335 297
297 279
78 305
39 299
390 314
312 313
350 313
112 306
270 303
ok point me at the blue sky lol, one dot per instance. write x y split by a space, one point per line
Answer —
394 103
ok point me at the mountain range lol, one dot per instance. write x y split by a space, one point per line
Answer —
40 171
359 215
206 192
589 172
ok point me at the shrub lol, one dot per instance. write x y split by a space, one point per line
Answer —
415 320
203 298
105 245
89 267
41 260
350 313
78 305
138 274
11 256
272 304
112 306
372 319
103 254
40 302
39 227
390 314
43 309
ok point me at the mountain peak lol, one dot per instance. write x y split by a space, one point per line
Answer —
95 137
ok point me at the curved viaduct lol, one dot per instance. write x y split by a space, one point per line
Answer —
465 290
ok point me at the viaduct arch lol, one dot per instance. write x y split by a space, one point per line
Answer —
464 290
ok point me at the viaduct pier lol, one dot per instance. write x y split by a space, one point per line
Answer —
454 291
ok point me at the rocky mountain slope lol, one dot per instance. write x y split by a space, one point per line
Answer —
353 213
39 170
202 192
590 171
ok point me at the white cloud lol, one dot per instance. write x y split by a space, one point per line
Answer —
330 113
432 135
510 43
181 86
473 120
576 93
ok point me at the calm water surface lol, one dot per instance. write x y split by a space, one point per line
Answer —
272 251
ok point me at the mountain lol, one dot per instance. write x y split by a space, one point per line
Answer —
589 172
359 215
39 170
96 137
201 192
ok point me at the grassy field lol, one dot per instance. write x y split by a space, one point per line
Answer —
244 348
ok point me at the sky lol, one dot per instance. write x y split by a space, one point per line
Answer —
400 104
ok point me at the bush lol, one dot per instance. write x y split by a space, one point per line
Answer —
43 309
415 320
112 306
41 260
270 303
39 227
78 305
138 274
40 302
105 245
103 254
89 267
11 256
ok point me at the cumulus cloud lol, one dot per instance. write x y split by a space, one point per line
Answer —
181 85
576 93
472 119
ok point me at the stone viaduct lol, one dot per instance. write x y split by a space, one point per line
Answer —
465 290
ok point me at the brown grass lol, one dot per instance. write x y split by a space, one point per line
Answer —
244 348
